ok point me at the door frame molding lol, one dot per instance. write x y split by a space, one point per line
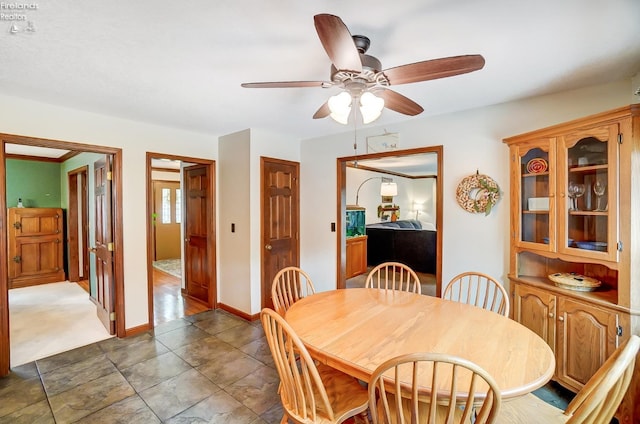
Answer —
341 203
118 258
211 259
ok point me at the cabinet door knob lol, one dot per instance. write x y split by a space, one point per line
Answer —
550 314
268 247
560 318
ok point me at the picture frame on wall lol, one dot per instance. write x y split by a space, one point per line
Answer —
383 143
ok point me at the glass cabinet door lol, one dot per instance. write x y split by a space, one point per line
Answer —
588 181
534 164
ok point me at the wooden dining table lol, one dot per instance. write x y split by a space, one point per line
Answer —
355 330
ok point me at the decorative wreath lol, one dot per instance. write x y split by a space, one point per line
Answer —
478 193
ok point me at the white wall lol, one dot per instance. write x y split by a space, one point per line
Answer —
472 141
410 190
239 202
35 119
234 207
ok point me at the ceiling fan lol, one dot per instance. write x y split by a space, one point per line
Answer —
362 78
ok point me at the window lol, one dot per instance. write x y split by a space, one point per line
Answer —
166 206
178 207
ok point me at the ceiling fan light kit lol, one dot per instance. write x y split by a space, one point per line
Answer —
370 106
362 78
340 107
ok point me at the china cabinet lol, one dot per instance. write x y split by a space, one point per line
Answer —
575 241
35 244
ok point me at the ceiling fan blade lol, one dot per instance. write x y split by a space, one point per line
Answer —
434 69
286 84
323 111
399 103
337 42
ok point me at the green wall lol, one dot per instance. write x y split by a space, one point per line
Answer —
36 182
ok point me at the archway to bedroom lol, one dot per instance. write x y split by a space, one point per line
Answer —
368 215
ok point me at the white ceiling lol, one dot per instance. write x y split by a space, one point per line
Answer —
419 164
182 63
24 150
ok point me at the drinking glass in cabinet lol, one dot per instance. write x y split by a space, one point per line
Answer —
599 188
575 191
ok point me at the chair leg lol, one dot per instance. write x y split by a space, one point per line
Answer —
285 419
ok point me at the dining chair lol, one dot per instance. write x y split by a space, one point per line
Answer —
596 403
478 289
290 284
310 393
393 276
420 403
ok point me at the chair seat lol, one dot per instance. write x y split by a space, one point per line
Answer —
529 409
346 395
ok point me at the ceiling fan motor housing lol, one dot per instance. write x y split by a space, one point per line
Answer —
371 73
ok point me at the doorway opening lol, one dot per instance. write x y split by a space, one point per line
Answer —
181 242
407 169
67 155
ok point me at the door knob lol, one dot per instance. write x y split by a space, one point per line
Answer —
268 247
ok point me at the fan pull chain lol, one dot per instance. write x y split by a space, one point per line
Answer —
355 131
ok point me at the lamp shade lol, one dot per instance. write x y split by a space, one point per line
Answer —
340 107
388 189
370 107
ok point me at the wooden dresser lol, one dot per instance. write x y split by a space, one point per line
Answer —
575 208
35 244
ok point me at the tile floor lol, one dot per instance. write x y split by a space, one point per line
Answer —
207 368
211 367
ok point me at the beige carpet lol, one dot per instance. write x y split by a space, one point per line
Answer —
51 318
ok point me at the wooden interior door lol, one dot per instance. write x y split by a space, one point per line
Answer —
77 218
103 250
167 207
198 222
280 220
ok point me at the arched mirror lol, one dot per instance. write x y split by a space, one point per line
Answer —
390 209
